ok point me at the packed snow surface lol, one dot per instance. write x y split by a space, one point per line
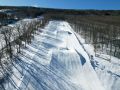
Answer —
107 67
55 60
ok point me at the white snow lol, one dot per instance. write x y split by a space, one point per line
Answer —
55 60
107 68
14 30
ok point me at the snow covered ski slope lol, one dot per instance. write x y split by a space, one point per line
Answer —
55 60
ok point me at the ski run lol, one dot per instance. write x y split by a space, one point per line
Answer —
57 60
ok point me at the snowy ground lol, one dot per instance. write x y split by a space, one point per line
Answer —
107 67
55 60
15 29
14 32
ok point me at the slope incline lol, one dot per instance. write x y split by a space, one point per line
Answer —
54 60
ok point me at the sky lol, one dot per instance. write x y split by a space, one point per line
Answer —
65 4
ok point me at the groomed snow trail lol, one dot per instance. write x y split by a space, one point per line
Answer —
54 60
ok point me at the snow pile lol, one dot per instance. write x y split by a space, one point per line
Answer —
55 60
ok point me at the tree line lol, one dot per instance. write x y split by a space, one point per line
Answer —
104 36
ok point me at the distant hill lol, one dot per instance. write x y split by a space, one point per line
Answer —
33 11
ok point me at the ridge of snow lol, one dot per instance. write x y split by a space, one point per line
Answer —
55 60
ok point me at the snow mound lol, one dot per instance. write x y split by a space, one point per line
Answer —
55 60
